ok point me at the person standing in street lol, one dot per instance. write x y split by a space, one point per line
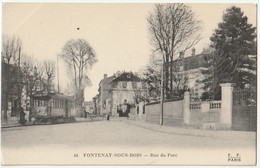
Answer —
22 115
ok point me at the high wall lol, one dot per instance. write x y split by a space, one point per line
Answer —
173 113
200 114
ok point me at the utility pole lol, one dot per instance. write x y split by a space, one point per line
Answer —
162 94
58 73
19 84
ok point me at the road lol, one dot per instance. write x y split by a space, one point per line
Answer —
38 143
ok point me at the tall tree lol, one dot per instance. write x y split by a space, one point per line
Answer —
79 57
173 29
234 59
32 73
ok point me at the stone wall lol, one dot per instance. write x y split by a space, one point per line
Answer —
173 113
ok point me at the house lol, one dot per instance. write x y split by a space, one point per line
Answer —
127 88
102 98
190 67
11 87
116 90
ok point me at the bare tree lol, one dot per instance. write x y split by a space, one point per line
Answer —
49 73
11 48
173 29
32 78
79 57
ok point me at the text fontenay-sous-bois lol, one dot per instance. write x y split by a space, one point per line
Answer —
110 155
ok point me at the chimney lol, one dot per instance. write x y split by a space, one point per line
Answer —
105 76
193 51
181 54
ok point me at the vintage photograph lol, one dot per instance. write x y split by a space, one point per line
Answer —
129 84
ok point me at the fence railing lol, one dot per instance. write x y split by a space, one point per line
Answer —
195 105
215 105
212 105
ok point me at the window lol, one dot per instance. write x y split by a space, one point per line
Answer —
134 85
124 84
137 109
114 85
144 86
143 109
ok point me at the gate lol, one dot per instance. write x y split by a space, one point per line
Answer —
123 110
244 117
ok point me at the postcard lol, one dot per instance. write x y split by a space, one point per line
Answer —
129 84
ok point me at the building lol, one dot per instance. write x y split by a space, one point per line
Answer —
11 87
116 90
190 69
103 97
126 89
89 106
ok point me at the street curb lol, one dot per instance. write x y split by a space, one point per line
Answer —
168 132
12 126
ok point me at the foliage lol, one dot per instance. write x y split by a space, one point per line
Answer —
234 58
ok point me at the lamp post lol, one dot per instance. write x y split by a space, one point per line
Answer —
162 94
58 73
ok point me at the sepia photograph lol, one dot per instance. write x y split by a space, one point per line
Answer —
129 84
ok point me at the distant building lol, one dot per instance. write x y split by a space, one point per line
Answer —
102 100
89 106
120 88
126 88
190 67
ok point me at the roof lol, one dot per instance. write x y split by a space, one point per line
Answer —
107 80
127 76
192 62
48 95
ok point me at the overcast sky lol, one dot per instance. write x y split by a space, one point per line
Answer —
117 32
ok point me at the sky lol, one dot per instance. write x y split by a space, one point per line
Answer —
118 32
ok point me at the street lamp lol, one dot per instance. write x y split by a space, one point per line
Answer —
162 94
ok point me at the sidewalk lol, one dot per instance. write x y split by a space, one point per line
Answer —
12 122
88 119
227 134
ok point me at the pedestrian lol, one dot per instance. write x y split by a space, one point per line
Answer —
108 117
22 115
85 113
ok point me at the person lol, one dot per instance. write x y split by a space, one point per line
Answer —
85 113
22 116
108 117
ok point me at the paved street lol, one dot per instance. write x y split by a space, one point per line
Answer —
114 134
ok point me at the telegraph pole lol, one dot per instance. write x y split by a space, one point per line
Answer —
58 73
162 95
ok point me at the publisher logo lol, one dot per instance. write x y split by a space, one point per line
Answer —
234 158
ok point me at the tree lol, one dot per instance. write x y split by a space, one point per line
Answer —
173 29
11 48
79 56
32 79
234 58
152 76
49 73
180 80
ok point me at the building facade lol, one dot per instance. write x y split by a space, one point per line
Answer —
119 89
126 89
190 70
